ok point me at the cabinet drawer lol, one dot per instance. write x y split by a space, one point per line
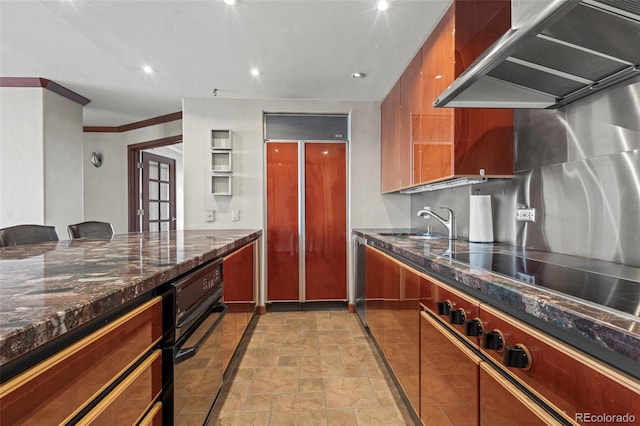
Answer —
127 403
501 402
570 380
153 417
59 387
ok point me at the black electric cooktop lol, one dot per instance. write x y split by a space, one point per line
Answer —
616 293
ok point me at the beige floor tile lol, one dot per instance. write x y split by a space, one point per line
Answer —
310 368
255 418
350 392
272 380
341 417
386 416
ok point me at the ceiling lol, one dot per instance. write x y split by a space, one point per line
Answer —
304 49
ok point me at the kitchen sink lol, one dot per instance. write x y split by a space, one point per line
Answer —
414 235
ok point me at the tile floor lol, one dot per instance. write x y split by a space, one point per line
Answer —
310 368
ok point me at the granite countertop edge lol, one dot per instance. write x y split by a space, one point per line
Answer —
600 327
20 341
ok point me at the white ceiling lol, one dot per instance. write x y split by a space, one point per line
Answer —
305 49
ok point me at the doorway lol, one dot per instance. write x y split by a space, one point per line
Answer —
155 186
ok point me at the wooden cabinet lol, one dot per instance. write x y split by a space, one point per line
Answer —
240 294
306 182
390 157
565 378
433 144
448 377
58 388
394 317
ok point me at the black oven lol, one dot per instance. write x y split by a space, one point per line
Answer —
196 347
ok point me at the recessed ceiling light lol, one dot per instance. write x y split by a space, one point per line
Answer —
255 72
383 5
358 75
147 69
230 2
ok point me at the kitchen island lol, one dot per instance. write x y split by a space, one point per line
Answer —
62 301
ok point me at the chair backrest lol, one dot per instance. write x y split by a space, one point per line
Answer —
27 234
90 229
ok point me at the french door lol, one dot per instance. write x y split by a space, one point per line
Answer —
158 208
306 221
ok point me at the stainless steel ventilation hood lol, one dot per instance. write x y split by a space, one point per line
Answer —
569 50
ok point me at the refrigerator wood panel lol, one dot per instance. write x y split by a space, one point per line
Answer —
282 221
325 221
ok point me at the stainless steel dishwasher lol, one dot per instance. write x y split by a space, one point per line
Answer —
359 246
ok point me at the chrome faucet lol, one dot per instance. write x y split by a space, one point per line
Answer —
449 223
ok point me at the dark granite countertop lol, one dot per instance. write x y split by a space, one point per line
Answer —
50 288
601 331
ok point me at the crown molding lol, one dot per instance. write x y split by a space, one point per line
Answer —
45 84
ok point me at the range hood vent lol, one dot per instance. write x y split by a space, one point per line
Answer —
569 50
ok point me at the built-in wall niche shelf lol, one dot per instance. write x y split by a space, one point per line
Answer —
221 140
221 153
221 184
221 161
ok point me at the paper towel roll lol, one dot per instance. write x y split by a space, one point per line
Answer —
480 219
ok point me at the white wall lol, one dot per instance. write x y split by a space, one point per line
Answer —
21 156
40 159
105 188
244 117
63 163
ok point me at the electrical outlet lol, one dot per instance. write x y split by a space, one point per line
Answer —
235 215
526 215
529 279
211 215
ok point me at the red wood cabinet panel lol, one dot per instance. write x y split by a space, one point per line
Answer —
568 379
325 221
374 292
448 377
130 400
502 404
57 388
390 148
447 142
392 303
282 221
410 127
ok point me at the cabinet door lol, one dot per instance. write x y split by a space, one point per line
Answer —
410 95
239 282
502 404
433 155
390 141
283 257
56 389
448 377
325 213
374 291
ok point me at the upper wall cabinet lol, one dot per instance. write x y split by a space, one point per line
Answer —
430 144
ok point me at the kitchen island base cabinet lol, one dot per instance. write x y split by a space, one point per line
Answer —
57 389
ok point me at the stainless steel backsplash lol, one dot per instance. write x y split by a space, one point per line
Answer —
579 167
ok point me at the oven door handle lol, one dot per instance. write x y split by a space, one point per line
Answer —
186 353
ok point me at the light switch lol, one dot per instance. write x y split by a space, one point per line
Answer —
211 215
235 215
